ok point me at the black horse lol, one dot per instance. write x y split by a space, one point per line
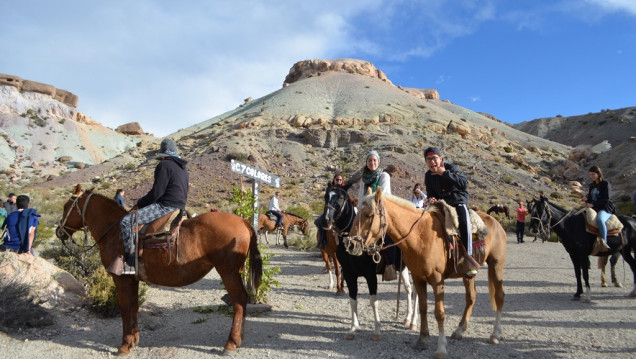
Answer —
499 209
338 215
570 227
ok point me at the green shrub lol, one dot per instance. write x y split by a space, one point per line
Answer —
267 280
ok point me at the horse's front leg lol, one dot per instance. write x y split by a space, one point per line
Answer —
613 261
285 237
127 294
469 285
339 279
440 316
325 258
420 289
577 274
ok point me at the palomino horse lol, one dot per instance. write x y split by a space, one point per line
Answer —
570 227
499 209
338 216
422 239
267 225
329 256
212 240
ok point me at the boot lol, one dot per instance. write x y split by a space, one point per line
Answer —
604 246
389 273
129 264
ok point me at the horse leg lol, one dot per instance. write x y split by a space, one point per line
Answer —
420 289
372 283
325 257
127 290
440 316
469 286
497 296
577 274
586 278
411 317
627 256
339 279
602 262
352 284
238 295
285 237
613 261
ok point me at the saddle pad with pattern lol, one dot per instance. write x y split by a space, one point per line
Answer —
614 225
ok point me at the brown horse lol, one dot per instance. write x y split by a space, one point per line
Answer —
267 225
498 208
212 240
329 256
421 236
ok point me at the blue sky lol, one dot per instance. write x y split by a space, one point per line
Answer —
169 64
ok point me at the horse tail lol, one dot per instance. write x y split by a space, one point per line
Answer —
256 261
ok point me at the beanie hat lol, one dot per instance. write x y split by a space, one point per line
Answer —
168 148
374 153
432 151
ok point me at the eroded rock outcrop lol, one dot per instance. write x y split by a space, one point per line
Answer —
309 68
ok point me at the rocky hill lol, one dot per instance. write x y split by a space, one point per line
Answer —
43 135
325 118
606 139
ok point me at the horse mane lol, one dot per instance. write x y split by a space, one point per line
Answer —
370 200
111 200
557 206
293 215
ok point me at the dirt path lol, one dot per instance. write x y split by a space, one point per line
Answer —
539 321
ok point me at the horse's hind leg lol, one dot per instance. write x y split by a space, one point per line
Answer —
469 285
420 289
613 261
238 295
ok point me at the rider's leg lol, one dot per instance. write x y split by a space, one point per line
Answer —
601 217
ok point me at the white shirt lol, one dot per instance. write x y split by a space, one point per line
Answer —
418 202
273 204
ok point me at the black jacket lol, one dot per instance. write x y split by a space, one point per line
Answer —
171 184
602 200
451 186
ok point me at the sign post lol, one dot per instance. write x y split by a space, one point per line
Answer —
257 175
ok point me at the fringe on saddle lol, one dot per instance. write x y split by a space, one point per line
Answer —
614 225
449 218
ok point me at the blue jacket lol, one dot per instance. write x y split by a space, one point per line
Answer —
17 225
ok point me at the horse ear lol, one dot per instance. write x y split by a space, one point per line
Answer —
378 194
369 191
77 190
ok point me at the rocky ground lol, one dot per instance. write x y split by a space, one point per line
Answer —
540 320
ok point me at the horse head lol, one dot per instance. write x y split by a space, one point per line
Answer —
539 215
72 218
369 226
334 204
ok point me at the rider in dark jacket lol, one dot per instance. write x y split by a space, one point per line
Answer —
446 181
169 193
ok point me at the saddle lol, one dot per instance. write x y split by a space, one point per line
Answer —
614 226
456 250
271 216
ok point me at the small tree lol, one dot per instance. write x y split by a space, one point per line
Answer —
244 199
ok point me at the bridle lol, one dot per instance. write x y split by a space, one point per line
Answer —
338 212
63 227
546 216
355 245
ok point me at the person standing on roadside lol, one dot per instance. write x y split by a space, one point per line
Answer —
521 221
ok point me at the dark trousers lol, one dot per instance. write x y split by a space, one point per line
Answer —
521 227
279 218
464 227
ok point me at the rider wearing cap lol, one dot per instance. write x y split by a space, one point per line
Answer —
446 181
169 193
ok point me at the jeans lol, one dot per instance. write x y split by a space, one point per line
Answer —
601 217
521 227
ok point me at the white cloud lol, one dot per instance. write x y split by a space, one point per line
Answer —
615 5
474 98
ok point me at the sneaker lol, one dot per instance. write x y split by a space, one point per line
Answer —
471 273
604 246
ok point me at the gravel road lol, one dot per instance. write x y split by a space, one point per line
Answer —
540 320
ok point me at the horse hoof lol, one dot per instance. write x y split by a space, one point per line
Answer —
604 285
618 285
419 345
376 337
121 352
586 300
493 340
350 336
441 355
407 323
576 297
457 335
413 327
227 352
